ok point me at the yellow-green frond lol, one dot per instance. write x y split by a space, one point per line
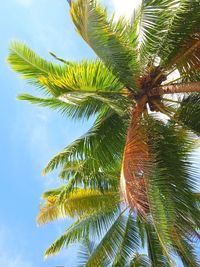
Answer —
77 203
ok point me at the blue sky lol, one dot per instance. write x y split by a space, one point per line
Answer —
30 136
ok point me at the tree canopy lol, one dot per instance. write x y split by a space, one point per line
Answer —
130 182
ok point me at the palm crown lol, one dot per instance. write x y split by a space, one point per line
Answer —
157 206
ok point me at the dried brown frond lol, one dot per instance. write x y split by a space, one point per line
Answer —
135 162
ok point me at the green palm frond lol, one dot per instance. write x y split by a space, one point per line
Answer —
87 76
62 193
140 260
71 107
185 250
86 249
31 66
79 174
129 243
183 25
113 240
77 203
174 141
94 26
155 19
154 156
59 58
171 188
93 225
25 61
155 250
159 218
189 112
90 174
71 168
189 76
81 105
188 58
94 144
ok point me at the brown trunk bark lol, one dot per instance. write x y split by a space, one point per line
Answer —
175 88
134 160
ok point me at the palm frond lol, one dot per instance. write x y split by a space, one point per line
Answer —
140 260
155 19
86 249
75 204
189 112
93 25
129 243
159 218
93 225
190 76
81 105
112 241
134 165
155 250
183 25
188 59
58 79
94 144
88 76
170 189
89 174
185 250
31 66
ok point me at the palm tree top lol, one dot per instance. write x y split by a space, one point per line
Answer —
131 172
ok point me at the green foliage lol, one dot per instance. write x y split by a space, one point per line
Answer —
189 112
113 240
171 187
90 174
155 248
76 203
86 76
26 62
92 23
140 260
155 20
185 249
134 58
85 251
129 242
183 25
81 105
108 126
94 224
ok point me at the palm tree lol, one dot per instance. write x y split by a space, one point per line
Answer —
126 88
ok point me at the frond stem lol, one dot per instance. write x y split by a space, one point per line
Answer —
175 88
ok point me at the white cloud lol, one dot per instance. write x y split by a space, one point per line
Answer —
25 3
125 7
12 261
8 257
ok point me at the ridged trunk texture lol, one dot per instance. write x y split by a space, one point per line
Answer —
175 88
134 163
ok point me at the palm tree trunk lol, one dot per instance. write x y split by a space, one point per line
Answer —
175 88
133 165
